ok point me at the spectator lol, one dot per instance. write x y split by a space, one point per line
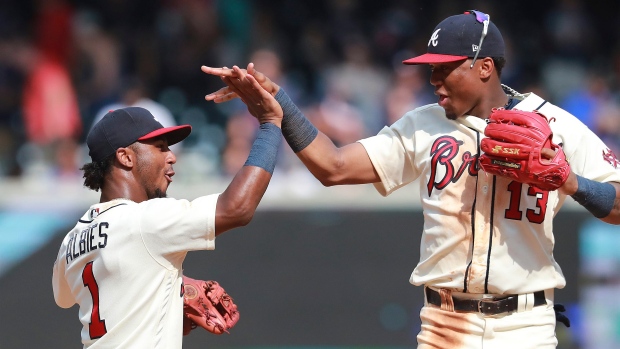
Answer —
49 103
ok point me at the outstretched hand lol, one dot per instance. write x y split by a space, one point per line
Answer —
261 103
226 94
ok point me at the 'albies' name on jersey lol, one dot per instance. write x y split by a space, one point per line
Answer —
87 240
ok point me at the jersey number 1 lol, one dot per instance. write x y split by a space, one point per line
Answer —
96 327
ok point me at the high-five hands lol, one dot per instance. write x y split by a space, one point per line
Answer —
254 89
227 93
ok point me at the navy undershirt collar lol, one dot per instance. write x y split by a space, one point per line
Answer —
511 103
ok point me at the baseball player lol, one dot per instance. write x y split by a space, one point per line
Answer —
122 263
486 263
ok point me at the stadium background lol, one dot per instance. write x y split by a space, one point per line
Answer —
317 267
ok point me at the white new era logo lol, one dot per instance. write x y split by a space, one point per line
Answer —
474 47
434 38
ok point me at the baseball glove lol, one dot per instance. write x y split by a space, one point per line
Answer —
515 140
206 304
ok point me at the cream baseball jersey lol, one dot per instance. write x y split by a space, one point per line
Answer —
122 264
482 233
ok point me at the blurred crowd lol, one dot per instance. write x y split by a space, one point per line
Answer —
64 64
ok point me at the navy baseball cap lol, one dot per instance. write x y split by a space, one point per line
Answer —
122 127
458 37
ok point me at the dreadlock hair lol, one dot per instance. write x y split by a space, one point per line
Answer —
95 172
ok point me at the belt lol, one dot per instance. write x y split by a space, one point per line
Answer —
487 306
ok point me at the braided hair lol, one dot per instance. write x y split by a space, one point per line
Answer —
95 172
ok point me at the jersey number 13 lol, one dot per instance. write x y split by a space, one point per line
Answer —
514 211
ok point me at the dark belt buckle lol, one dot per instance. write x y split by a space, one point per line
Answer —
488 306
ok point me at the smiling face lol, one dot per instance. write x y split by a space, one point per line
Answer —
154 166
458 86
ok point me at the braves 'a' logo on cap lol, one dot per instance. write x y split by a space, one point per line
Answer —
434 38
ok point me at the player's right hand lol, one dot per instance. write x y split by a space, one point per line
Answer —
226 94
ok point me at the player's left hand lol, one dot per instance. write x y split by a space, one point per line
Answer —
519 146
206 304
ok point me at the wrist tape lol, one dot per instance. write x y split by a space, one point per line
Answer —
264 152
596 197
296 128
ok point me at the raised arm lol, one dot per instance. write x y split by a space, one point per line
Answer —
237 204
331 165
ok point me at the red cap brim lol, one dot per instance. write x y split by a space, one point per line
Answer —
173 134
432 58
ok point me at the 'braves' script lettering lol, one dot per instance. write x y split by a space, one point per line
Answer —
610 157
443 151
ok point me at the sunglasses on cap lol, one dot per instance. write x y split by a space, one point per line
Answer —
484 19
